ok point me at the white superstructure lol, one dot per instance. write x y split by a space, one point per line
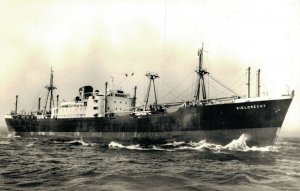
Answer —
91 103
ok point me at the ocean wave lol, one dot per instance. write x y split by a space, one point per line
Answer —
116 145
235 178
239 144
295 174
12 135
78 142
30 145
4 142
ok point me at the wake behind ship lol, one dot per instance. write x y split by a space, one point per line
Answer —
115 116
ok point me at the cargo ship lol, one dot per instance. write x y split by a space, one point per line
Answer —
114 116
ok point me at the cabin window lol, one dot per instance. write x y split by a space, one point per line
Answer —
108 108
115 102
85 103
120 101
95 108
125 102
116 108
96 101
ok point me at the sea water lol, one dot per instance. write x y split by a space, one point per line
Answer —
44 164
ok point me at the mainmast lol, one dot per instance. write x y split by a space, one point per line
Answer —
50 89
201 72
152 76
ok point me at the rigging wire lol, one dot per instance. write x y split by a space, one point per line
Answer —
165 23
171 92
33 104
222 84
174 89
183 92
193 89
235 85
215 90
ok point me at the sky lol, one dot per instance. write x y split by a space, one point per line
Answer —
91 42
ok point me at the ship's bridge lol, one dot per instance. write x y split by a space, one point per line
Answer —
85 92
118 93
119 101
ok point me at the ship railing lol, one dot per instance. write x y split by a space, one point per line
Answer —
194 103
23 116
68 115
151 109
141 113
221 100
292 94
172 104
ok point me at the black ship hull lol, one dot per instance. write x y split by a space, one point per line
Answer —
260 121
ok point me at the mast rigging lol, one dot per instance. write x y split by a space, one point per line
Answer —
201 72
50 89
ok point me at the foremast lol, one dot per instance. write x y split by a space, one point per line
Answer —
200 82
50 89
